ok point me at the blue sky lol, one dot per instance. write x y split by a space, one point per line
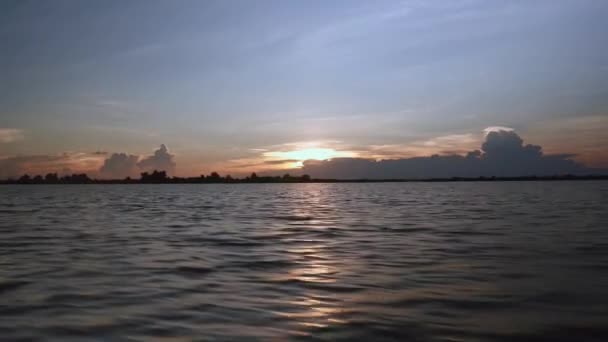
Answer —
223 83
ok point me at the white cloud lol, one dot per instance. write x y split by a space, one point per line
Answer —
487 130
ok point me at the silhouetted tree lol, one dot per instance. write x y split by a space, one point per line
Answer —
51 178
214 177
154 177
78 178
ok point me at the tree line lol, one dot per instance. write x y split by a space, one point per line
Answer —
155 176
161 177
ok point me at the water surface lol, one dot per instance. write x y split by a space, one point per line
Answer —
504 261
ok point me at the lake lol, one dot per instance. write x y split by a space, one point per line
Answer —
482 261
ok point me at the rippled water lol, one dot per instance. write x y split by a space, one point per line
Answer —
393 261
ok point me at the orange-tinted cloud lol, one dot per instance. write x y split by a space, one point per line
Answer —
585 137
65 163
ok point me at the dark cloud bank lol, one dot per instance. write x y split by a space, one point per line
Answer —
503 154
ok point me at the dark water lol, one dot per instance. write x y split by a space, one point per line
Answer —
522 261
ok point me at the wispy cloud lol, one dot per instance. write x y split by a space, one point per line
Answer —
65 163
9 135
359 22
446 144
281 161
585 136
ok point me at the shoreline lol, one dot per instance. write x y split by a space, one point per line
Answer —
271 180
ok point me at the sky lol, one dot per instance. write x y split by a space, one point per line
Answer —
113 88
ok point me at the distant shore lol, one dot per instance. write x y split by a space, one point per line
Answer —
161 177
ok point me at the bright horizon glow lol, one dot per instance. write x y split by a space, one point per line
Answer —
297 157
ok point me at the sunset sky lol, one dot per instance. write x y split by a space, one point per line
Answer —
241 86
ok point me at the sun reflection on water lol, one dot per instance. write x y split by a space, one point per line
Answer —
316 269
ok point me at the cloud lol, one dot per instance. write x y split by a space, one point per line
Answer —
503 153
9 135
487 130
162 160
15 166
507 144
95 164
444 145
450 140
281 161
119 165
585 136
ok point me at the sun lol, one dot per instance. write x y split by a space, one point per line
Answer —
297 157
313 153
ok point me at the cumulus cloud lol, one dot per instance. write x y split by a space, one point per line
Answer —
508 145
95 164
9 135
119 165
502 154
162 160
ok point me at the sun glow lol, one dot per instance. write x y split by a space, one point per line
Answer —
297 157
